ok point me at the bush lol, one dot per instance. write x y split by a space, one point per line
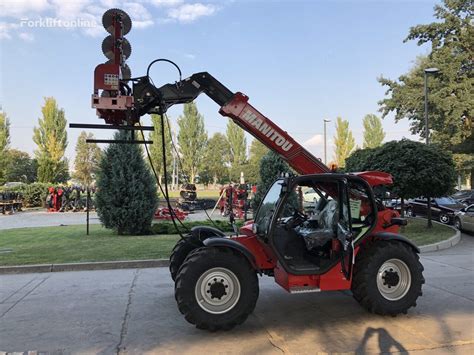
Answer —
34 195
126 197
168 227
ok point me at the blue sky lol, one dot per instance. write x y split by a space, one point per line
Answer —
298 61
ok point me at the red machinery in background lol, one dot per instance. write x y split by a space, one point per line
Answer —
234 198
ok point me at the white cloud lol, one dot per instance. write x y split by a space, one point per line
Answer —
6 28
87 14
191 12
19 8
140 16
190 56
162 3
315 140
27 37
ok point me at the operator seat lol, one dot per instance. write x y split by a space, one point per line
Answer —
324 231
327 218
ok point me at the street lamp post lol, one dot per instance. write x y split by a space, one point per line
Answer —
427 130
325 146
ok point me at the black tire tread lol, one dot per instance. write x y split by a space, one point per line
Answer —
365 261
178 255
209 253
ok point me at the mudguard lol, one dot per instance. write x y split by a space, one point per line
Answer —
394 236
229 243
203 232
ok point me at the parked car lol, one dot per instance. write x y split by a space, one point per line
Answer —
466 197
464 219
442 208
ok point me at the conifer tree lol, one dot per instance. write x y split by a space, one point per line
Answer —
126 196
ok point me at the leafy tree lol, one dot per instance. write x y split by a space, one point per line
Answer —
359 160
237 156
271 167
156 149
51 139
252 168
4 142
417 169
21 167
343 142
373 131
215 163
87 159
192 139
126 196
451 92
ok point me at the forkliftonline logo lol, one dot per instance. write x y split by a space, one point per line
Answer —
267 130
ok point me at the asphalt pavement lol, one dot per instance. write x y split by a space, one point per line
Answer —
49 219
133 311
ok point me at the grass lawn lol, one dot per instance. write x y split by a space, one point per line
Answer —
417 232
68 244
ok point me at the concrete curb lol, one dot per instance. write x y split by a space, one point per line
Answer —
444 244
140 264
103 265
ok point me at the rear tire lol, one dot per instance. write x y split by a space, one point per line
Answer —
388 277
179 254
216 288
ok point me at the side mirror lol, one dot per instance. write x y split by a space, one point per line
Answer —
399 221
463 209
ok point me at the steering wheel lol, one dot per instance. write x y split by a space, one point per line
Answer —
297 218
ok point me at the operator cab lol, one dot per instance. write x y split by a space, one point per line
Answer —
312 221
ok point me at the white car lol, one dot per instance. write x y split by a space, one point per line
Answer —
464 219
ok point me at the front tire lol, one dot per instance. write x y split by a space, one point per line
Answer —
444 218
388 277
216 288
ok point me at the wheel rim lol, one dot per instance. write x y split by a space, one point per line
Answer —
444 218
409 212
217 290
457 224
393 279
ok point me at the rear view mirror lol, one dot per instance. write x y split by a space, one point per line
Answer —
399 221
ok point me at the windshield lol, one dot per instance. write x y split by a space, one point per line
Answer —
446 201
267 208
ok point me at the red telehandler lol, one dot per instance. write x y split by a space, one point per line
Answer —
319 231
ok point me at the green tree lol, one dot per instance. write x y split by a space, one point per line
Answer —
451 92
87 159
156 149
373 131
237 147
192 140
21 167
343 142
126 197
215 163
51 139
271 167
252 168
417 169
4 142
